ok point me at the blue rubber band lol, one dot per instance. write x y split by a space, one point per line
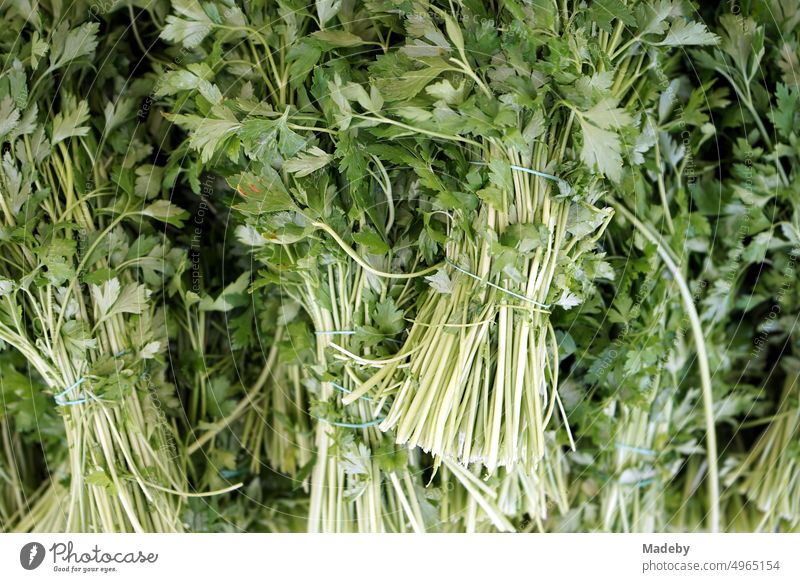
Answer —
354 425
346 391
536 173
641 451
70 389
561 183
231 473
527 170
59 398
71 402
498 287
645 482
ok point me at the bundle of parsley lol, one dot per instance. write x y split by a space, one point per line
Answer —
518 240
81 260
713 208
308 224
517 145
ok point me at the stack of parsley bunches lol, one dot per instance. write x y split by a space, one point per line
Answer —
384 266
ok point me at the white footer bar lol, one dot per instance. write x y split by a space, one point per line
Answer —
445 558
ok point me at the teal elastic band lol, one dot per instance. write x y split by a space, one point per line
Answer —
498 287
59 398
70 389
561 183
346 391
641 451
354 425
231 473
334 332
72 402
526 170
537 173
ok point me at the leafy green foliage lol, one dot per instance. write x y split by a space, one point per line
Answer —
399 266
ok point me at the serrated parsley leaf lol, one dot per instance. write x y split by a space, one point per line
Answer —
440 281
568 300
652 16
9 117
166 211
682 33
191 27
603 12
601 146
388 318
234 295
372 241
308 162
601 151
784 116
327 9
207 134
105 295
70 123
606 114
338 38
68 45
110 299
174 82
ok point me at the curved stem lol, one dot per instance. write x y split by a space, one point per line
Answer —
365 265
247 401
187 494
702 358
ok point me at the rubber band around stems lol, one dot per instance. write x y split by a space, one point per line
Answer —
640 450
641 483
528 171
59 398
366 424
341 388
544 306
231 473
512 293
537 173
72 402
